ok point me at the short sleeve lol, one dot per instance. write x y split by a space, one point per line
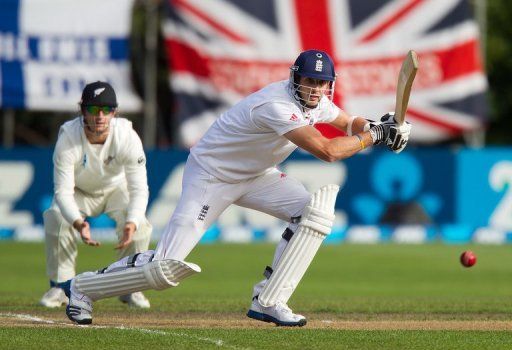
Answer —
281 117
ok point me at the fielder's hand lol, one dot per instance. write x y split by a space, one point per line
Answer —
398 136
127 239
84 229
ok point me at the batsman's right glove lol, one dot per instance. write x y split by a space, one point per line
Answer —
398 134
398 137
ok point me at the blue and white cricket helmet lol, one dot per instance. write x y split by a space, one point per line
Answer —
314 64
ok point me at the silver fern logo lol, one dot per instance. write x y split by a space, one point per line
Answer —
97 92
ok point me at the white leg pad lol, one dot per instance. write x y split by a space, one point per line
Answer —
159 274
315 225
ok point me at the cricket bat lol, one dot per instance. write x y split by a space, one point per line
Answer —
403 89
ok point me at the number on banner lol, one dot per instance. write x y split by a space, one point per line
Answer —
500 178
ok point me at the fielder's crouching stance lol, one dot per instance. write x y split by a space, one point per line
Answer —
99 167
235 162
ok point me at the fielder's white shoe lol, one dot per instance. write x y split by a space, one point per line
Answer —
136 299
54 297
79 309
280 314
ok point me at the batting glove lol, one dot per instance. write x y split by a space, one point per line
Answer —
379 131
370 124
389 117
398 137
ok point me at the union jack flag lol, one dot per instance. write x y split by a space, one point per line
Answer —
221 50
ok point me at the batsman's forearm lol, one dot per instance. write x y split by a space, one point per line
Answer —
343 147
358 125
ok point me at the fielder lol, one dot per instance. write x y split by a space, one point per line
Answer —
235 163
99 167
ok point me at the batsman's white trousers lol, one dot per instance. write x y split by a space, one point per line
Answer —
62 238
204 198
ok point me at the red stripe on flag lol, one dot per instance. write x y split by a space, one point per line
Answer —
183 58
361 77
447 127
460 60
185 6
224 73
376 32
379 76
314 26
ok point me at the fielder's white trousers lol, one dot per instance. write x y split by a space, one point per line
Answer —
62 238
204 198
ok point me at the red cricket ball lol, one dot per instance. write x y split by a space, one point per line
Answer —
468 258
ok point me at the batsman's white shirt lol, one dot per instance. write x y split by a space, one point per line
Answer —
247 140
95 169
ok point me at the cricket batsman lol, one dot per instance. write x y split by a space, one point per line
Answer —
236 162
99 167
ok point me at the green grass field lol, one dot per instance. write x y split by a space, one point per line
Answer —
383 296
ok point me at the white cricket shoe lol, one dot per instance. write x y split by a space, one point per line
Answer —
79 309
136 299
54 297
280 314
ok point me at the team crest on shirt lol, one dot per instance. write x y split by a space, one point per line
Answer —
203 212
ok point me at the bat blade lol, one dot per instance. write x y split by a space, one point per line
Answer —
403 90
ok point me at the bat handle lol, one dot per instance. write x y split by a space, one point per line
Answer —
397 122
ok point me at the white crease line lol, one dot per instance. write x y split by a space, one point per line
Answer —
217 342
29 318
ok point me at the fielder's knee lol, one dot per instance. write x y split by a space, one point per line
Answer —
53 222
60 246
